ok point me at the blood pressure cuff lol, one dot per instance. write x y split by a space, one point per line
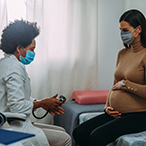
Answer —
2 119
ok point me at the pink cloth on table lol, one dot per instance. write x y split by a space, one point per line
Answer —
90 96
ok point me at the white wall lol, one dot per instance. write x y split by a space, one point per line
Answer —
109 41
3 20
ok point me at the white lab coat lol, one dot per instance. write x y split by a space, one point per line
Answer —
15 93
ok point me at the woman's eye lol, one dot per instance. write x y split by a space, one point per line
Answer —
125 30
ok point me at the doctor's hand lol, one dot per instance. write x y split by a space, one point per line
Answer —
53 104
110 111
50 103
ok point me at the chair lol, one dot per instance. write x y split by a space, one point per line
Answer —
5 119
14 116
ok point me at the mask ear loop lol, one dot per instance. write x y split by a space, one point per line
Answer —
23 48
138 33
19 49
134 30
19 52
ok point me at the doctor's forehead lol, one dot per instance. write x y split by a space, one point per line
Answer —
32 46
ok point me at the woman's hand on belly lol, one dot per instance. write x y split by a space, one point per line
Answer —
110 111
118 85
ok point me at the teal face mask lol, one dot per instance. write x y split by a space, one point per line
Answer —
28 58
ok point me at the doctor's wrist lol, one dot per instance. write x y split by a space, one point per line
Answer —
37 104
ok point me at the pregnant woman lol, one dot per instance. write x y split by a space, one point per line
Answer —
125 109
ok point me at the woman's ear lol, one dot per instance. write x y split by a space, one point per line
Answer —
139 29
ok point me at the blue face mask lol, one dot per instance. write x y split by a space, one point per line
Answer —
28 58
127 37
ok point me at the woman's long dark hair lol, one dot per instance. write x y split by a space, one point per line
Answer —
136 18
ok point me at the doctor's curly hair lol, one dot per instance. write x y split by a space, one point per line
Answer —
19 32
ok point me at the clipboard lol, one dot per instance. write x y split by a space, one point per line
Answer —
9 136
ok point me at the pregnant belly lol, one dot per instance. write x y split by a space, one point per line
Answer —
125 102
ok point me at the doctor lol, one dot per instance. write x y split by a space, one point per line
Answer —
18 44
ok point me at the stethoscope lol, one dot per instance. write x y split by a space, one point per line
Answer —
61 98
